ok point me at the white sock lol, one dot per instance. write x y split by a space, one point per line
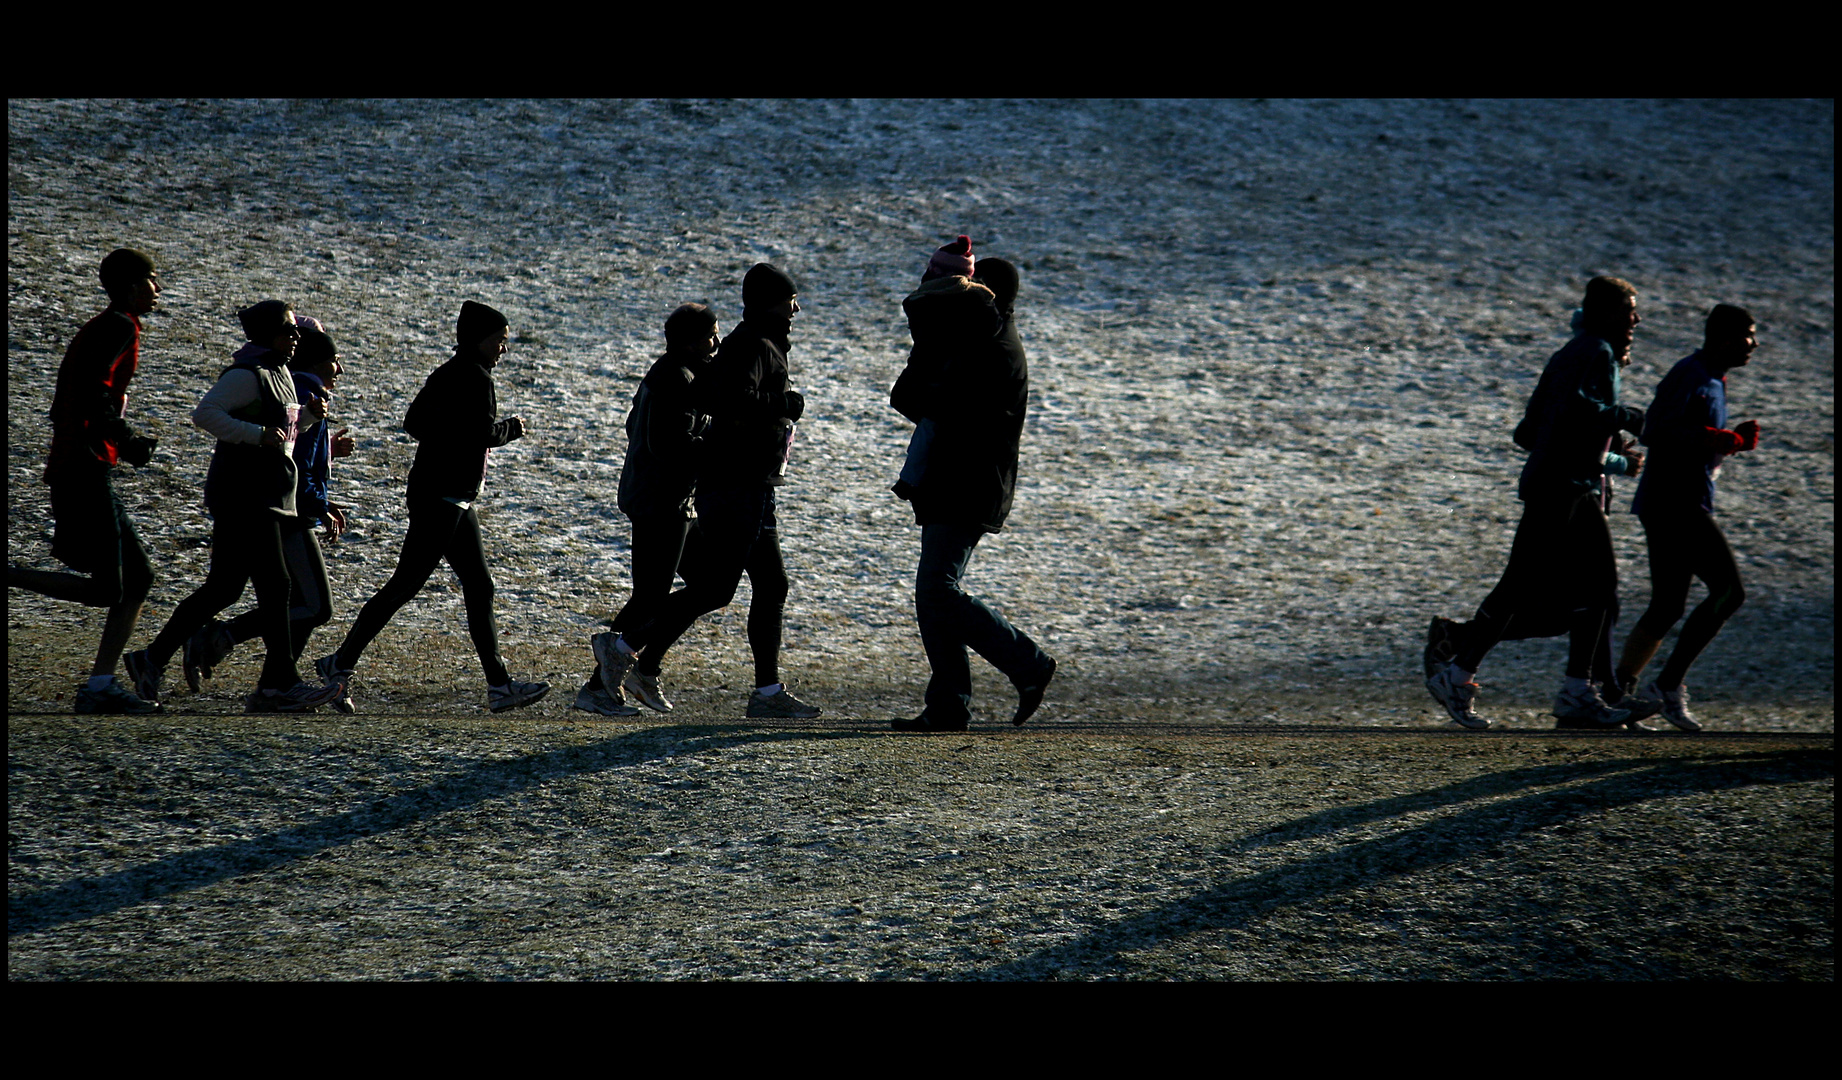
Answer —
769 690
99 683
1572 685
625 649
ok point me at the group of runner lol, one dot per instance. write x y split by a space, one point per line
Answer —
710 434
1562 577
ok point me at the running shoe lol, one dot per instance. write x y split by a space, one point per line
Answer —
204 651
646 688
779 706
614 662
328 669
1441 644
1030 698
114 699
1453 688
515 695
1673 704
302 697
1586 711
596 700
142 673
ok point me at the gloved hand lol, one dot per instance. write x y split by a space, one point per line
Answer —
1748 431
138 450
793 405
1631 419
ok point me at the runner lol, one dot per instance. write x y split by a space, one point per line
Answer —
1563 545
752 406
657 481
89 435
316 367
250 493
455 422
1686 430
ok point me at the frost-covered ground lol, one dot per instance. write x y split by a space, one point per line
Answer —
1277 349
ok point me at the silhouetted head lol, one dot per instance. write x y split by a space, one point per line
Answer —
1000 276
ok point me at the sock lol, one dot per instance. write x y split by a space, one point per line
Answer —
625 649
98 683
1576 687
769 690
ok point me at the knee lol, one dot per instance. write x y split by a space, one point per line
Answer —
1730 599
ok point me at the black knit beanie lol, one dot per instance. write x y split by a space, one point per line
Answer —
765 285
262 321
316 347
1728 321
477 321
1000 276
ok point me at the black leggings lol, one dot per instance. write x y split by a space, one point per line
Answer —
1686 545
245 549
1562 554
738 534
310 600
437 530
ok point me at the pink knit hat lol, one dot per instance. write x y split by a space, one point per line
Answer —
954 258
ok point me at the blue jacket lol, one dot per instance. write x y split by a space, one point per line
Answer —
313 456
1683 462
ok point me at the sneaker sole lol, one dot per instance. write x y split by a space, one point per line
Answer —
532 700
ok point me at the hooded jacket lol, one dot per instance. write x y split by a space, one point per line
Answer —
745 394
968 374
455 422
664 439
255 393
1571 420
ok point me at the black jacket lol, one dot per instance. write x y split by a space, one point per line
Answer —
745 393
664 439
976 389
455 421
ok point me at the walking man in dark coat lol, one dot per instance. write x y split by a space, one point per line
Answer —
748 395
455 422
89 436
967 376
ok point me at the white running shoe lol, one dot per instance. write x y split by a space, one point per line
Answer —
614 663
1453 688
1587 711
1675 705
515 695
646 688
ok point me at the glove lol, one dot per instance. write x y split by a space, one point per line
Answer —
138 450
1748 433
793 405
1630 418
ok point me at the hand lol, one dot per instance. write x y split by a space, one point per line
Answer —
335 524
343 444
1634 461
1748 431
793 405
271 437
138 450
517 426
315 409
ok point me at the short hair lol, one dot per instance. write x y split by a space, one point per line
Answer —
1604 291
1000 276
690 322
1728 321
122 268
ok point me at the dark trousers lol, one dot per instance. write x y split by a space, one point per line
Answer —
953 621
1561 558
310 597
94 536
437 530
245 549
664 546
1686 545
738 534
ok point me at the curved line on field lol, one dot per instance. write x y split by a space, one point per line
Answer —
1103 952
89 897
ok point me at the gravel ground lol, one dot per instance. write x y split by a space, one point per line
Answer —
1277 348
